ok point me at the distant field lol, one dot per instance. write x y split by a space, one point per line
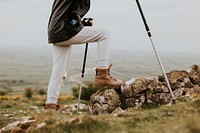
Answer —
36 67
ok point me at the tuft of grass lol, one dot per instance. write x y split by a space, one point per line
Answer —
41 92
28 92
2 93
87 91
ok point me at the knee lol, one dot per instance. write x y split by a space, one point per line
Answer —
105 34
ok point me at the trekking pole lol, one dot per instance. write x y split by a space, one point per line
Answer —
82 76
157 56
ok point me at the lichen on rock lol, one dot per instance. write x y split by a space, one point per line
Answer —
140 91
104 101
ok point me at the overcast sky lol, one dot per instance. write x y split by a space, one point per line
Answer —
173 23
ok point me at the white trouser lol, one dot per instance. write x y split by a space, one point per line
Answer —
62 52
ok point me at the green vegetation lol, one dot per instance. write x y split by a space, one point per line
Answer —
87 91
41 92
3 92
28 92
183 117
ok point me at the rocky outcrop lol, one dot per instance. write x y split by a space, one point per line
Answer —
194 74
140 91
104 101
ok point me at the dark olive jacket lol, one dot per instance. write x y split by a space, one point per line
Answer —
65 19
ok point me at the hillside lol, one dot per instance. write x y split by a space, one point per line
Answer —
23 112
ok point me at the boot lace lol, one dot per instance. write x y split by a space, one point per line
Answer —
109 73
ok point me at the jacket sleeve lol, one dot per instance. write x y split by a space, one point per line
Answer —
81 7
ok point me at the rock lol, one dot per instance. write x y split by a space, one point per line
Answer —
104 101
14 113
177 79
21 111
81 106
127 91
117 111
155 86
8 115
139 102
27 119
68 109
135 92
175 75
25 112
176 85
130 102
41 125
194 74
33 108
24 124
38 111
139 85
139 91
71 108
191 92
178 92
168 105
188 83
163 98
12 118
74 120
10 126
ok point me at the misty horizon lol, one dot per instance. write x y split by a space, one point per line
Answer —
174 25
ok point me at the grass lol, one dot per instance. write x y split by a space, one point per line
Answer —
183 117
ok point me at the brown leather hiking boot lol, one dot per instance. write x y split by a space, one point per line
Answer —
55 107
104 79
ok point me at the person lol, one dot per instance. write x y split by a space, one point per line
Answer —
66 28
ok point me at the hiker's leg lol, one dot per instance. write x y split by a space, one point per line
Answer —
90 35
61 58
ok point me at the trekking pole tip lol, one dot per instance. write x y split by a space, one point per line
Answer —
174 101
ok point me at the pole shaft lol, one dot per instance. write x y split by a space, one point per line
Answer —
84 61
82 76
79 96
143 18
162 68
157 55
